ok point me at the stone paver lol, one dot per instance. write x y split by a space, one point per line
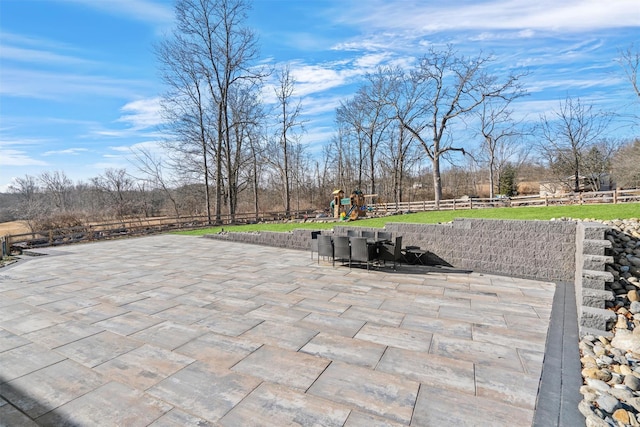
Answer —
177 330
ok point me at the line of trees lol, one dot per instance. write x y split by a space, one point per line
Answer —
404 134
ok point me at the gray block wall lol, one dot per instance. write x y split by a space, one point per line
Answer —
591 279
543 250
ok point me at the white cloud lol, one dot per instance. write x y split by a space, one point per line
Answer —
18 158
69 151
141 10
142 113
20 54
60 86
525 15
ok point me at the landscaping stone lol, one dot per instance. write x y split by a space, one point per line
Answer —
611 394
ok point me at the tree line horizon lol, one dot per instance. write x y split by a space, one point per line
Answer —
225 149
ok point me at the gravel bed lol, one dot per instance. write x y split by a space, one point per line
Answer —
611 364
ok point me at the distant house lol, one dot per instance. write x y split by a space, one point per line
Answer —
594 182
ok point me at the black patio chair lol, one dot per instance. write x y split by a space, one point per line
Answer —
361 251
384 235
391 251
341 250
368 234
325 247
314 242
353 233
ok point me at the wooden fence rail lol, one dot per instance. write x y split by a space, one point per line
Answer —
613 196
128 227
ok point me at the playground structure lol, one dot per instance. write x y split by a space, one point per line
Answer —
349 208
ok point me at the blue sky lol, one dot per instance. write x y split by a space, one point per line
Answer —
79 84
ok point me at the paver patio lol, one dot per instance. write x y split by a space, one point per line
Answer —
178 330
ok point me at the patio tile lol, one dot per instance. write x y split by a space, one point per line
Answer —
380 393
44 390
164 292
63 333
9 340
503 385
279 406
150 305
361 419
218 350
439 407
332 324
69 305
348 350
121 298
381 317
321 306
447 327
526 323
480 353
532 361
409 306
510 337
17 311
128 323
278 313
96 349
176 417
184 314
228 324
97 313
396 337
288 368
429 369
112 404
280 335
169 335
25 359
11 416
234 305
203 391
473 316
278 299
358 300
144 366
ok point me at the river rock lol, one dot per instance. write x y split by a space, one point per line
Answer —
632 382
598 374
608 403
626 340
621 416
633 295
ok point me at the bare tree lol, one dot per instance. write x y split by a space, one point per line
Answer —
630 62
30 205
152 167
186 110
499 130
625 165
568 133
117 187
211 35
442 90
289 125
58 188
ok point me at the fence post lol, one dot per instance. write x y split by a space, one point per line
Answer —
546 199
454 204
3 252
470 203
615 196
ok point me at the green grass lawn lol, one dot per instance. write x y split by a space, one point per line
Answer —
599 211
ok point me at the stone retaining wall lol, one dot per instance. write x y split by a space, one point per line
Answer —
543 250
